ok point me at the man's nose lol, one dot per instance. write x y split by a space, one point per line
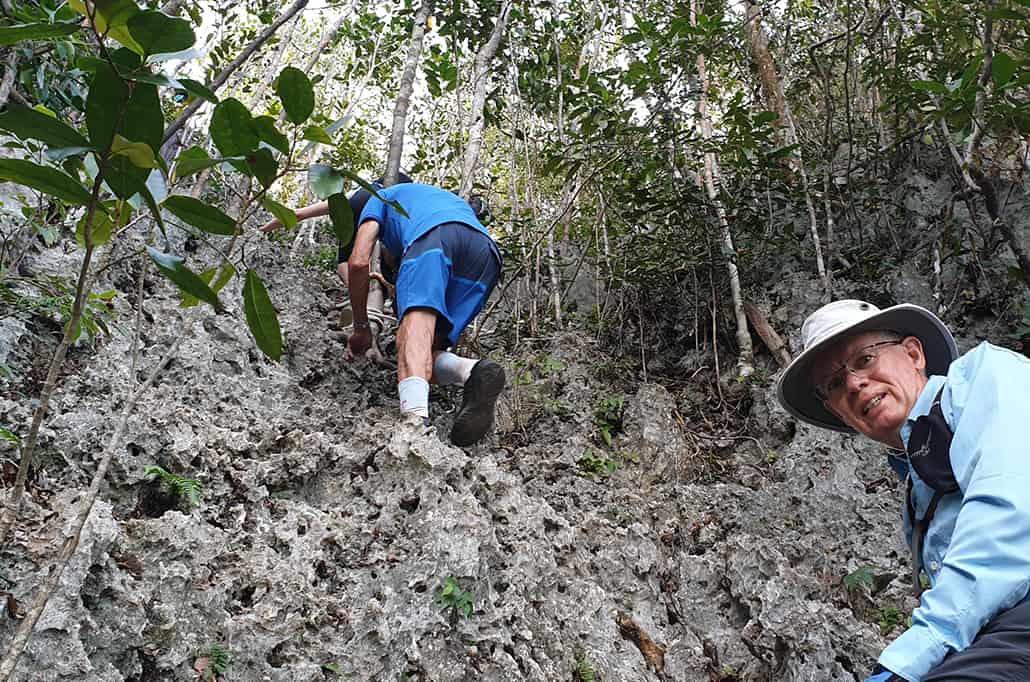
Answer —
854 380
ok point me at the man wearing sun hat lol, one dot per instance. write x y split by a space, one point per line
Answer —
958 428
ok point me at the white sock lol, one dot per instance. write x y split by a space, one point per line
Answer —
414 395
450 369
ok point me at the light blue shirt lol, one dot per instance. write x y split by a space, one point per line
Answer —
977 549
427 206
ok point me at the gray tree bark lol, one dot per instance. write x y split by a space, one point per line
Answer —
400 109
483 58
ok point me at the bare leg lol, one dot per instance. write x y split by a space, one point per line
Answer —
415 344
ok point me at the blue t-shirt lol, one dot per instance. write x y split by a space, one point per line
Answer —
427 206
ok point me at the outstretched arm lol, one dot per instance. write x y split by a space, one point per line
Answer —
313 211
357 286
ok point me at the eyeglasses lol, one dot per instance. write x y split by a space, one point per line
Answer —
861 363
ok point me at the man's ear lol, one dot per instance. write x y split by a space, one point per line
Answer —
914 350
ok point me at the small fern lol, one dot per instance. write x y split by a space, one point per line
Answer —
216 659
584 671
186 489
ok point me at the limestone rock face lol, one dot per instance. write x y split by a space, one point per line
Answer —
327 531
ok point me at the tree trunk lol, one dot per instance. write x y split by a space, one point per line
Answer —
745 360
772 91
236 63
483 58
10 72
400 109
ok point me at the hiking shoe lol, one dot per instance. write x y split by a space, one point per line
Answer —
476 416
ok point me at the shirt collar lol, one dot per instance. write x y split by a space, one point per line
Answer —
922 407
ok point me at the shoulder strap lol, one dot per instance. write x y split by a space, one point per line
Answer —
929 451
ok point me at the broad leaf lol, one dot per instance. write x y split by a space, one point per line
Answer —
283 214
29 124
139 153
194 160
157 32
1003 67
198 89
100 233
263 166
45 179
200 215
125 178
144 120
173 268
261 317
929 86
342 218
324 180
232 128
227 272
373 191
295 92
317 134
9 35
265 126
107 95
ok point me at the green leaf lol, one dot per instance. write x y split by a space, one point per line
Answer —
110 19
173 268
100 233
193 160
9 35
107 95
283 214
143 120
266 130
1003 67
261 317
29 124
263 166
157 32
233 129
9 436
342 218
929 86
325 180
45 179
317 134
198 89
373 191
200 215
227 272
295 92
124 177
139 153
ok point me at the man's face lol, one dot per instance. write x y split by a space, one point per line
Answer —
874 397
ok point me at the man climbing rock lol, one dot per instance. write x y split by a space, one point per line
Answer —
956 428
446 266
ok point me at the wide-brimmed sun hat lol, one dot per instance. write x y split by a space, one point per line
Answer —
836 320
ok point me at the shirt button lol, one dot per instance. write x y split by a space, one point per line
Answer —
934 566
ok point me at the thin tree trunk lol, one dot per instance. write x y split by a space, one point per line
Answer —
82 288
10 71
400 109
772 91
745 360
483 58
71 542
236 63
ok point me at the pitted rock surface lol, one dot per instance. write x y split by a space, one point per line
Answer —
327 529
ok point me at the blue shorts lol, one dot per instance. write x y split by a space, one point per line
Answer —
451 270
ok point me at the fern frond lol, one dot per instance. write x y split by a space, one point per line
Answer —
186 489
